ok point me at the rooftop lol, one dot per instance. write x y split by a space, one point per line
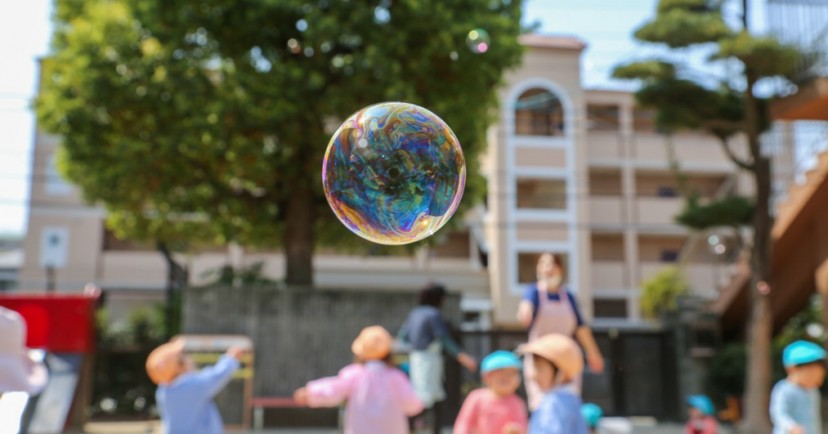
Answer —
552 41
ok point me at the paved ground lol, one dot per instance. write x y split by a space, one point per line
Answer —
641 427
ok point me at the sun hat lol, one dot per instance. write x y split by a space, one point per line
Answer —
558 349
500 360
373 343
164 362
592 413
19 371
801 353
701 403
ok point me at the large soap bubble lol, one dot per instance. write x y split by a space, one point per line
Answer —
394 173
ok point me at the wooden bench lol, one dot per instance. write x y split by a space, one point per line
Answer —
260 403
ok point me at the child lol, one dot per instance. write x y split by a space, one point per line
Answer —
795 402
495 409
379 397
592 415
184 395
557 362
701 416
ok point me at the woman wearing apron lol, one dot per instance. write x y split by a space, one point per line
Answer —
547 308
425 331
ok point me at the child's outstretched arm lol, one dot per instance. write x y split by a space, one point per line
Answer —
329 391
210 380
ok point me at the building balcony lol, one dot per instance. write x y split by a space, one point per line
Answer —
606 210
608 276
696 152
604 146
658 211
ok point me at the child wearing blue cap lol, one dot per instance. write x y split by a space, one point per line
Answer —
701 416
495 409
795 402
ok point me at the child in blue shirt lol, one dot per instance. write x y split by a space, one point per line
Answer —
185 395
795 401
558 361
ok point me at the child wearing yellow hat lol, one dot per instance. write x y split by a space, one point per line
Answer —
558 362
379 396
185 395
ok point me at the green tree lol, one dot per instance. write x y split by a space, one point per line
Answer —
214 115
724 107
661 293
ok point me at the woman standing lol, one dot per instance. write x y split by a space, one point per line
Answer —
548 307
425 331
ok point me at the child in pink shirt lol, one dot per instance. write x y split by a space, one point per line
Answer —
495 409
379 396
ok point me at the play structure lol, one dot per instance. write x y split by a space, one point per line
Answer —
62 327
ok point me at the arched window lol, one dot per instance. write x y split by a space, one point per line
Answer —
538 112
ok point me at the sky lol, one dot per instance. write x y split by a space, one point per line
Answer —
606 26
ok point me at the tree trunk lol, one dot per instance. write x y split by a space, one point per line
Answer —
760 326
298 238
177 279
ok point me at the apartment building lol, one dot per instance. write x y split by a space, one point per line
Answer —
579 172
585 174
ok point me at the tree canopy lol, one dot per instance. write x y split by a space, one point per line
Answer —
206 121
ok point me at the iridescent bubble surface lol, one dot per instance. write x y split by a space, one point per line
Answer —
394 173
478 41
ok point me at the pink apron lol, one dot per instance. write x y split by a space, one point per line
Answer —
551 317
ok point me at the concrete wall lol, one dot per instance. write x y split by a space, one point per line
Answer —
298 336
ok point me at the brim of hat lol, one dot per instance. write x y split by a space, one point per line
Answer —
20 373
530 348
501 365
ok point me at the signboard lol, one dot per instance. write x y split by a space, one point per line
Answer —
54 244
234 401
57 323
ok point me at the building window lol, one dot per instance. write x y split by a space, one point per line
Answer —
7 285
666 191
644 120
669 255
528 266
603 117
538 112
610 308
541 194
55 184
